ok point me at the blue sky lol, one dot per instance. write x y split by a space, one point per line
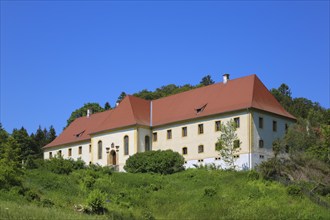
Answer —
58 55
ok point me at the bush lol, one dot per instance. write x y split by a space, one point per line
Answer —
210 191
270 169
294 190
96 201
163 162
253 175
59 165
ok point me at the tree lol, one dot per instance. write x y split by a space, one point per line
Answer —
107 106
121 97
207 80
228 143
80 112
3 137
51 134
24 142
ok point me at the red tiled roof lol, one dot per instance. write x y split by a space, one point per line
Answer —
237 94
242 93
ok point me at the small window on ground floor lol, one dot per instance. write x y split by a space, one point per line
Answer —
50 155
80 150
184 150
70 152
200 148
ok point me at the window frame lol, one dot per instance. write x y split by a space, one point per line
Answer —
99 150
274 126
184 150
184 131
261 122
169 134
217 125
200 128
154 136
126 145
200 148
70 152
80 150
147 142
261 143
237 122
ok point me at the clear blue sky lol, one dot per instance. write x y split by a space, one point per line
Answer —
58 55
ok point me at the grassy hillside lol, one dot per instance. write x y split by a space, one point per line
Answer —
191 194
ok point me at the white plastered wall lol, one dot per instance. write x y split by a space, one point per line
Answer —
208 139
266 134
117 138
85 154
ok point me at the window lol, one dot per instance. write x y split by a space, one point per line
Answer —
261 143
169 134
154 136
200 148
70 152
184 150
90 148
217 125
237 122
59 153
50 155
200 129
286 128
200 109
184 132
237 143
274 125
236 156
99 145
147 143
126 145
261 156
80 150
261 122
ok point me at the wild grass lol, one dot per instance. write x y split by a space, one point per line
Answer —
191 194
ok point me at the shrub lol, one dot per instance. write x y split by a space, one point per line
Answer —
163 162
253 175
294 190
270 169
210 191
96 201
47 203
32 195
59 165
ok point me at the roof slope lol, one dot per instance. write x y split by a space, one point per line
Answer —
131 111
237 94
80 128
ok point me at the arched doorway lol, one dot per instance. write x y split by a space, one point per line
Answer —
112 158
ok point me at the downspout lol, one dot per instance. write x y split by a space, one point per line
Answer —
151 125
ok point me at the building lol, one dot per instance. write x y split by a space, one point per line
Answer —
187 122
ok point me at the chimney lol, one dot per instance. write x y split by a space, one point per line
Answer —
225 78
89 112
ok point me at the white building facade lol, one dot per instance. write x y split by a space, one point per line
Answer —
109 139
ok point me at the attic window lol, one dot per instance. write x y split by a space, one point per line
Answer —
200 109
79 134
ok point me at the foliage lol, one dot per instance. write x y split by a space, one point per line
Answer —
96 201
207 80
121 97
253 175
10 164
107 106
227 143
270 169
191 194
163 162
80 112
294 190
210 191
59 165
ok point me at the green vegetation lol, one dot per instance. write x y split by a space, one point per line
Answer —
191 194
228 143
163 162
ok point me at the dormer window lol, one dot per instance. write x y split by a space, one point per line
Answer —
200 109
78 135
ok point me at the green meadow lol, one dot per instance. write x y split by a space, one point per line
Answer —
190 194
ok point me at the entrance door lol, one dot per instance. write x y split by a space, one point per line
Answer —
113 158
